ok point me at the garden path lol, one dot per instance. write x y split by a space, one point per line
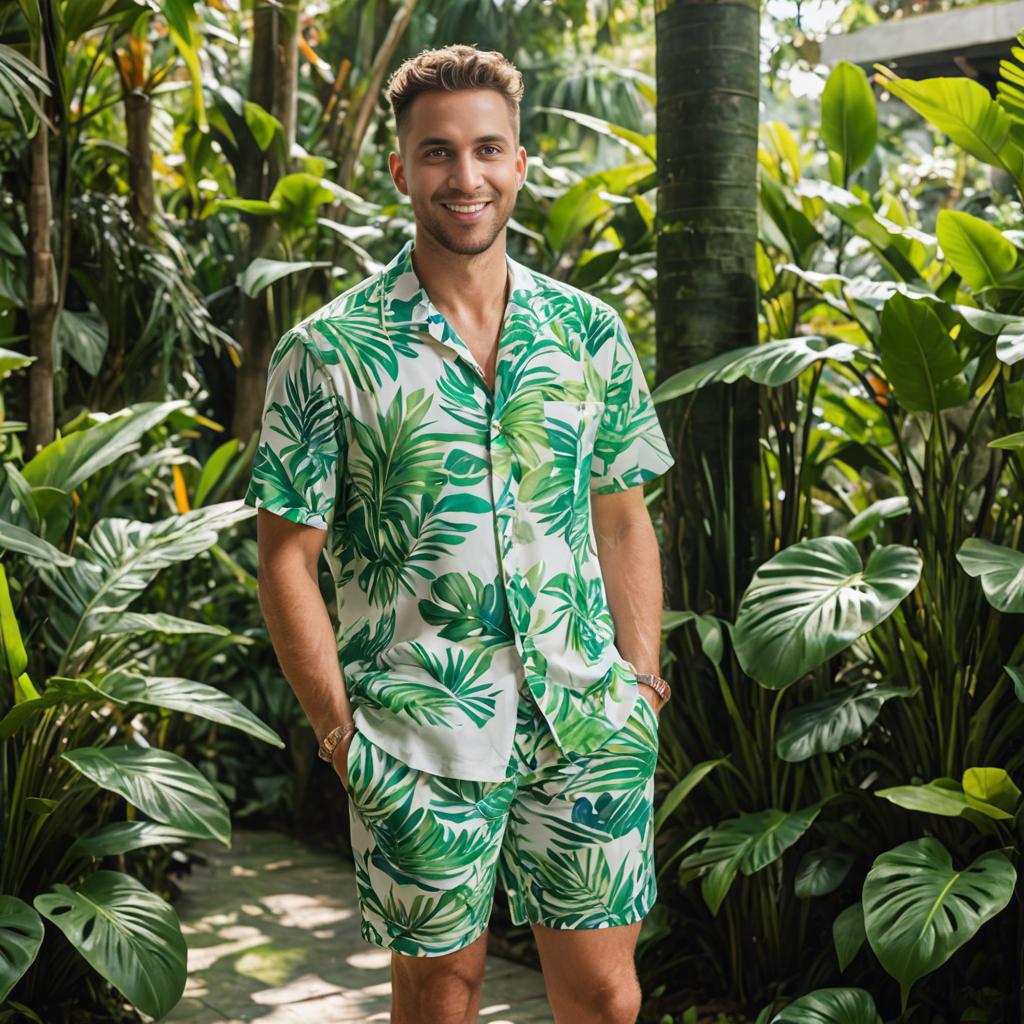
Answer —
272 928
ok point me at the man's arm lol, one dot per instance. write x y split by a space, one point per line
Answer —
627 549
297 619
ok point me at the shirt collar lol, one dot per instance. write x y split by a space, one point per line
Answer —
405 306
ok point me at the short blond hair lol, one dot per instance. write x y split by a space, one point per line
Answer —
449 68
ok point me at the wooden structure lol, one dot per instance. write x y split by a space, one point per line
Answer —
966 41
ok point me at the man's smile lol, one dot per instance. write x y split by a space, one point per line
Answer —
466 211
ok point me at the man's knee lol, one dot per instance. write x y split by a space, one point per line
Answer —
605 1001
443 989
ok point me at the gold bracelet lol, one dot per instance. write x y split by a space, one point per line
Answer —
329 743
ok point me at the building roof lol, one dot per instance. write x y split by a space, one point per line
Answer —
967 41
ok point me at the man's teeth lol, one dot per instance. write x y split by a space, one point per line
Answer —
465 209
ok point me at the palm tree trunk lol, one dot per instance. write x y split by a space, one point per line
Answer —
257 176
42 303
707 79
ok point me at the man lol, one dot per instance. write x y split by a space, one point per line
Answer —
469 439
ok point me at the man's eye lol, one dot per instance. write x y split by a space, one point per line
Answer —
495 148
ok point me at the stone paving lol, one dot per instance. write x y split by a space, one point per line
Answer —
272 928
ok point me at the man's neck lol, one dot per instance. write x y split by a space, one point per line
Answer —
467 286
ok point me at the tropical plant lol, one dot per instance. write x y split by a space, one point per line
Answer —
887 370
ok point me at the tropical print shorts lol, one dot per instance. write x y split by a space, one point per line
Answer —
571 838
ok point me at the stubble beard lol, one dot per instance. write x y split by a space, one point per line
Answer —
461 242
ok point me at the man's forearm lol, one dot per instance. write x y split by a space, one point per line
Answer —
303 637
631 567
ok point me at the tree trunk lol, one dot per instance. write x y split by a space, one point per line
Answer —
286 79
42 302
360 120
141 201
257 176
707 80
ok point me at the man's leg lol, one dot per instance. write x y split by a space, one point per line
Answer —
589 973
438 989
577 862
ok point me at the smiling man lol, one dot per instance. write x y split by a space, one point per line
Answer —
466 440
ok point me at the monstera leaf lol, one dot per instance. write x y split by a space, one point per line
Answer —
839 718
128 934
21 935
831 1006
1001 570
919 909
812 600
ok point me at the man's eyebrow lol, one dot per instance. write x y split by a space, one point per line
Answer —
437 140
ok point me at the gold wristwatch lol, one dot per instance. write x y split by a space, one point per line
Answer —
328 744
656 683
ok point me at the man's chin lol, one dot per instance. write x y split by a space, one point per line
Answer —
469 243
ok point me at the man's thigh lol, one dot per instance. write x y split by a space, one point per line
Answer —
578 851
425 851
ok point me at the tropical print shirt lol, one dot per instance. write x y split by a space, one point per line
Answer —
460 539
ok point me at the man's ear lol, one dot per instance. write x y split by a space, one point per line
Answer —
398 173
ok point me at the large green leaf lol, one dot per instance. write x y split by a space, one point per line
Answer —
979 252
965 111
747 843
58 690
71 460
262 273
639 144
849 120
821 871
874 515
812 600
831 1006
159 783
919 358
21 935
122 556
829 723
772 363
196 698
1001 570
943 796
682 789
578 207
848 934
125 836
17 538
918 909
125 932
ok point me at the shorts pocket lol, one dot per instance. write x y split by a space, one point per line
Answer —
653 719
356 738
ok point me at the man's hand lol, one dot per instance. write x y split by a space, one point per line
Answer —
339 758
656 702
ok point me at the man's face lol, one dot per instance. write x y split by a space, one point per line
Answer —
459 150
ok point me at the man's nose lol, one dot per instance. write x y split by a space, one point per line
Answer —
466 175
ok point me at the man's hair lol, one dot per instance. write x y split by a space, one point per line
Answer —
449 68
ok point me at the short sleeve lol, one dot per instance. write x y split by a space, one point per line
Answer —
630 447
298 459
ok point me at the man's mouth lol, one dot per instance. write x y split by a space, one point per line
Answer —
466 211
